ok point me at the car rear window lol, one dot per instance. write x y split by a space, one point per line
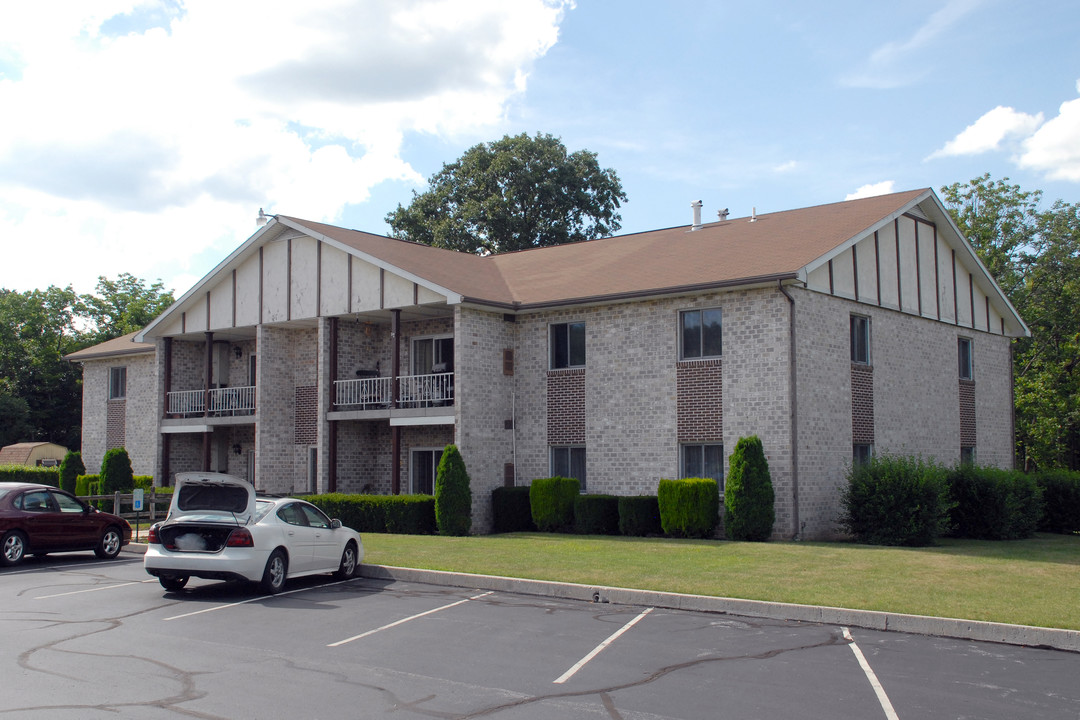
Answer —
225 498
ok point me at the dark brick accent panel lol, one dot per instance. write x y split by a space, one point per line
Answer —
967 413
116 424
700 400
566 407
862 404
307 415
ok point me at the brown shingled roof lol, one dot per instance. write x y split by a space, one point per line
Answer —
123 345
736 251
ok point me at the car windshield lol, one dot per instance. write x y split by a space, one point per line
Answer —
224 498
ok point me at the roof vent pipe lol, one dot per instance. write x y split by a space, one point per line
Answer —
696 207
722 214
753 214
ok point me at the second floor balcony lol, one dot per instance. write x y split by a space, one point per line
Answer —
413 391
216 402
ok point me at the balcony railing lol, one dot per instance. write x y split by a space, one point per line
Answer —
222 402
414 391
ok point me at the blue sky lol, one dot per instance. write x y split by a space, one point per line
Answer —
143 137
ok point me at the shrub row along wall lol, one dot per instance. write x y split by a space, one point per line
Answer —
405 514
24 474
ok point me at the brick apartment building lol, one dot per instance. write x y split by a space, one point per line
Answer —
320 359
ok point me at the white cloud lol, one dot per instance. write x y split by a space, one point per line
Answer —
1055 147
150 130
989 131
789 166
896 64
882 188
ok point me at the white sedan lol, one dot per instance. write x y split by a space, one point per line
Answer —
220 530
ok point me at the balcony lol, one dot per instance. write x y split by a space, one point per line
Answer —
216 402
414 391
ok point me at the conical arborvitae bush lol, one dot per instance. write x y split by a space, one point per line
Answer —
748 493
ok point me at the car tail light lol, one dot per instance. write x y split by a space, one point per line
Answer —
152 536
240 537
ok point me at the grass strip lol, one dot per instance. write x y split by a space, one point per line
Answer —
1027 582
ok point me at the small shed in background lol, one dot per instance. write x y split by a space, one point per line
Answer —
33 454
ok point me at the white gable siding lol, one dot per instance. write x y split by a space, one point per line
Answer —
247 291
366 286
335 281
275 282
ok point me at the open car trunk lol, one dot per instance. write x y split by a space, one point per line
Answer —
194 536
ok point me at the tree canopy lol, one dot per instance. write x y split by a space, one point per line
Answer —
516 193
1035 257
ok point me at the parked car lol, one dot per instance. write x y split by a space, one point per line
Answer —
219 529
39 519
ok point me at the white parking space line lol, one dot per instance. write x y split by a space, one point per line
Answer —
95 589
878 690
405 620
255 599
600 648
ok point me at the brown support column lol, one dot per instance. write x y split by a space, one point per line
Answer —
331 470
206 447
168 374
163 481
395 464
209 373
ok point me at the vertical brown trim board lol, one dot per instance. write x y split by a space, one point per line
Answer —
288 279
831 287
318 278
918 270
955 298
877 267
262 310
971 298
350 261
234 297
899 267
855 271
937 278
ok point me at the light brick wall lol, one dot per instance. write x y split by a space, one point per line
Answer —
138 413
287 361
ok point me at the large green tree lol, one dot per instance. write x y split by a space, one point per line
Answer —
123 305
516 193
1034 254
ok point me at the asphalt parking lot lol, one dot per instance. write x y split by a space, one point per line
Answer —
84 638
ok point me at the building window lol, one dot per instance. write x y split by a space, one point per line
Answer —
425 464
861 453
860 339
117 383
567 345
963 352
569 462
703 461
433 355
701 333
967 456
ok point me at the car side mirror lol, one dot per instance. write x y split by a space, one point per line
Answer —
335 524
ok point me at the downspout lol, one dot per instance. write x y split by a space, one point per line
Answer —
793 384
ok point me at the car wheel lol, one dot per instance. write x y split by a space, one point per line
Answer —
12 548
348 563
173 583
109 547
277 568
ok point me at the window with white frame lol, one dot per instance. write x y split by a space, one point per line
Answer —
569 462
117 383
432 355
860 339
423 467
963 355
567 345
702 460
701 333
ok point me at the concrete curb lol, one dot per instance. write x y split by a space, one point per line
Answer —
1023 635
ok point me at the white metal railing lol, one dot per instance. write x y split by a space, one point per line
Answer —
426 390
187 402
368 393
232 400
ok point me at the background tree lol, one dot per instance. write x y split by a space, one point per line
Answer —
1034 255
513 194
121 306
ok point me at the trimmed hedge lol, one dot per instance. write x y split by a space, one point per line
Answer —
405 514
748 493
25 474
896 501
552 503
453 496
689 507
993 504
1061 501
639 515
511 510
596 515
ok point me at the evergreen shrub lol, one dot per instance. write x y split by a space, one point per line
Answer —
71 468
993 504
116 474
1061 501
639 515
896 501
689 507
406 514
453 496
552 503
25 474
596 515
748 493
511 510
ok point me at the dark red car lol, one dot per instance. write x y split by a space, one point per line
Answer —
38 519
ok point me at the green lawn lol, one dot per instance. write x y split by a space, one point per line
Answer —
1028 582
